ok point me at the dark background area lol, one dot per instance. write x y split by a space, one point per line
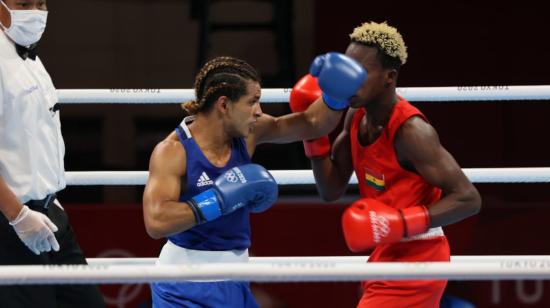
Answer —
155 44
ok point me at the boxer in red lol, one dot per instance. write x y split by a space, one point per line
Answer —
410 185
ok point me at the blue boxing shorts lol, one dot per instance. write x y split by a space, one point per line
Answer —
233 294
223 293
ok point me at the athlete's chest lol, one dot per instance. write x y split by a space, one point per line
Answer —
367 133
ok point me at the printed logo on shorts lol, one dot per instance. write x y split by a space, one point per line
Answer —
204 180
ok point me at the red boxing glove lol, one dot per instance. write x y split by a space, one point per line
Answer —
368 222
305 92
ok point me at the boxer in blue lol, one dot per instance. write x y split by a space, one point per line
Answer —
202 187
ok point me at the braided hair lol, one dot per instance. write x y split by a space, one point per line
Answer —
221 76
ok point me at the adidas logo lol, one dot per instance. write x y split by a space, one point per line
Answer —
204 180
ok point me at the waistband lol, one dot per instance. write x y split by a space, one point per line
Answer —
174 254
430 234
43 203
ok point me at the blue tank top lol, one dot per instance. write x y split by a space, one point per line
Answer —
228 232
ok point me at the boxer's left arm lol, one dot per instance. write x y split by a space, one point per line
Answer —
339 77
419 150
318 120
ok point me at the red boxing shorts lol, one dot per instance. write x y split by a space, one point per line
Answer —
410 293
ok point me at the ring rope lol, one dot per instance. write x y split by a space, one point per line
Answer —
141 270
521 259
302 177
274 272
413 94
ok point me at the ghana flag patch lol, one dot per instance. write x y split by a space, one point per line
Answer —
375 179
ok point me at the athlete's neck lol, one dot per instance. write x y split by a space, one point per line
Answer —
210 135
378 112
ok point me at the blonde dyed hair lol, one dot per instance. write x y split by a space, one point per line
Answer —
386 38
221 76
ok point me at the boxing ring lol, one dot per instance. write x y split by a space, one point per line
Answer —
294 269
281 269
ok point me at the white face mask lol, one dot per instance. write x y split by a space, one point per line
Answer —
27 26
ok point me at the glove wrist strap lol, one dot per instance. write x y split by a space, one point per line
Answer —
317 148
417 220
205 206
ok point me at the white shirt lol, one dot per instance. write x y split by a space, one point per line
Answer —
31 145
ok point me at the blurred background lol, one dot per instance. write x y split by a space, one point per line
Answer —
139 46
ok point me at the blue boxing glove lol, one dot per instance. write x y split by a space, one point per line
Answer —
339 77
247 185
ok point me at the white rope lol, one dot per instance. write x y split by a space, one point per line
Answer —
301 177
335 259
274 272
149 96
422 94
106 177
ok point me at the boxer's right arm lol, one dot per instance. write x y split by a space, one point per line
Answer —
332 173
163 214
245 185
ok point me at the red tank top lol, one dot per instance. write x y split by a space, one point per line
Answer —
379 174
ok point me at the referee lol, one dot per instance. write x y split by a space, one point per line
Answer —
34 229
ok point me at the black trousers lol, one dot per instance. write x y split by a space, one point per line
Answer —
14 252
